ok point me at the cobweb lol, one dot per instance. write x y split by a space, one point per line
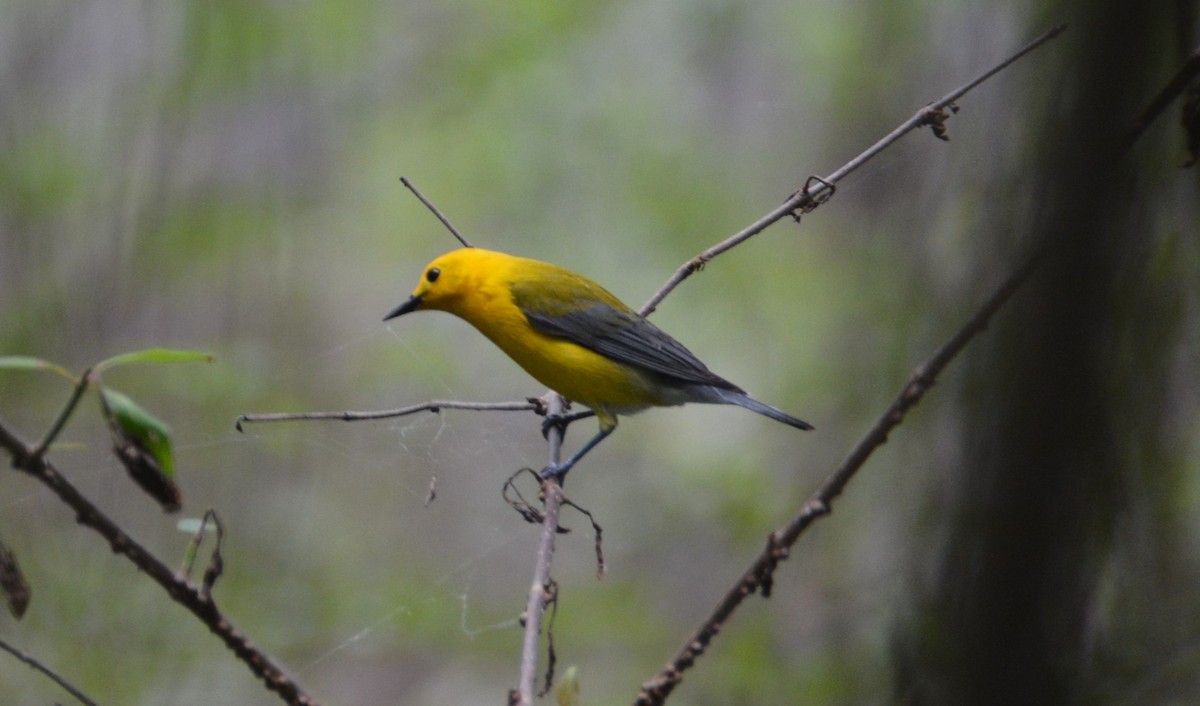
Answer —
334 553
418 499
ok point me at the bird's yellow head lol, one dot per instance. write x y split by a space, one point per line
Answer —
449 281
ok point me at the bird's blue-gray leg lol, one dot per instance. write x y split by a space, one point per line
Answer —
559 470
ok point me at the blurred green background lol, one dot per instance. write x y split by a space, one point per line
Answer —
223 176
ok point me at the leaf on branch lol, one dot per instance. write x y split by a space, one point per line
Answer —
12 582
154 355
25 362
143 444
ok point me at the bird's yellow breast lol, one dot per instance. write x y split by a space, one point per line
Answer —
582 375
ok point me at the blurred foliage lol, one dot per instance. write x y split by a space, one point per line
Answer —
224 176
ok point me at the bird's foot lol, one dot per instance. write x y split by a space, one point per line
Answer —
556 472
562 421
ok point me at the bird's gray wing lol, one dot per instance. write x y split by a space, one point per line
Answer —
618 333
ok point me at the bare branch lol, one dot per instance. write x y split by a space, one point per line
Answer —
429 204
540 588
179 589
216 561
80 387
808 198
1177 84
760 576
54 677
434 406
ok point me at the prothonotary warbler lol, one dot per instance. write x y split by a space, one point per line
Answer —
574 337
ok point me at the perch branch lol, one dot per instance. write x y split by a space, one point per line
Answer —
434 406
539 589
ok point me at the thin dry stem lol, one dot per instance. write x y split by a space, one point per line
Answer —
806 199
430 406
436 212
68 409
49 673
1178 83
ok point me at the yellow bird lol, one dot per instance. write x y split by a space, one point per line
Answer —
574 337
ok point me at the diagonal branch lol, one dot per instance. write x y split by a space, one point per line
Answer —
760 576
180 590
49 673
1178 83
806 199
81 386
436 212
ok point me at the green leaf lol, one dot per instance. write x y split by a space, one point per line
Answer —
155 355
143 445
141 426
25 362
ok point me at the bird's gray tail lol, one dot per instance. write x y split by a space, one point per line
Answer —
723 396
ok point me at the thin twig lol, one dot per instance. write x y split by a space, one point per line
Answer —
598 532
430 406
216 560
181 591
1177 84
807 198
67 410
760 575
38 666
539 589
429 205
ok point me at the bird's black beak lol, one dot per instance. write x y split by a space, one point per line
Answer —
411 305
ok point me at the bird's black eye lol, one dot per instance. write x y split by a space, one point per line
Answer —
432 274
